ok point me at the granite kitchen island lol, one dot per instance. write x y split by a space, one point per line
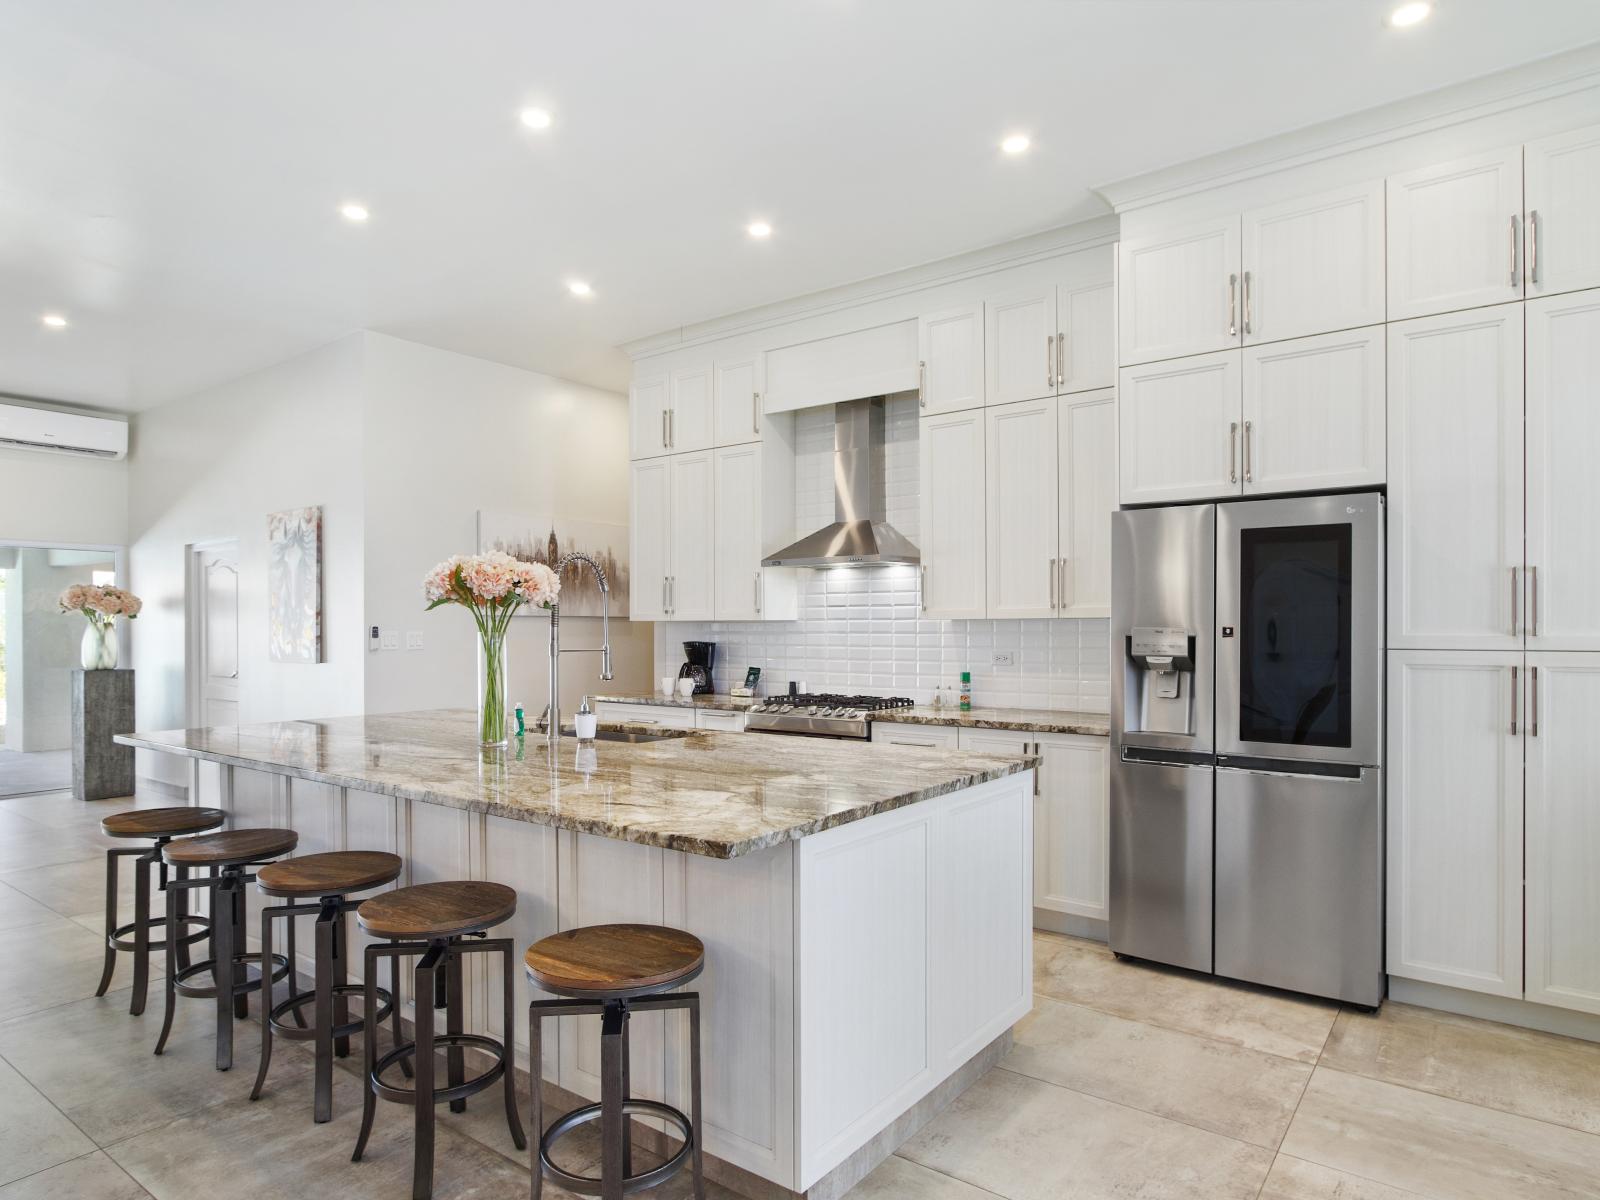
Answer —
866 909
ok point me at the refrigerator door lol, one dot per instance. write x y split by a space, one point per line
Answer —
1161 861
1300 629
1300 881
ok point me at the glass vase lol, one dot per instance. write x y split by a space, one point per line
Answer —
99 649
494 729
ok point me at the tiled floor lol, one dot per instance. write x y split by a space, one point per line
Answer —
1125 1082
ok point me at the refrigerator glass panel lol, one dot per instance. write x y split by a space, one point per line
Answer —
1295 635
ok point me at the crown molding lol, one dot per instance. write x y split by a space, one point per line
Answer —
1037 247
1517 87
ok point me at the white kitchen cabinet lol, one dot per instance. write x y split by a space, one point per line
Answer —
950 359
754 516
1563 830
1455 235
1086 431
1086 342
690 575
1179 291
649 539
1563 469
1179 425
1456 481
1313 265
689 421
719 720
1021 342
737 383
1455 816
1022 509
668 716
1314 413
1561 228
1050 328
954 557
927 737
648 401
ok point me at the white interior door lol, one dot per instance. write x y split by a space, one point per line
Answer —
1178 291
954 559
217 635
950 359
649 539
1020 343
1086 424
1562 225
690 576
1456 481
1180 435
1022 507
1563 762
1455 818
1563 464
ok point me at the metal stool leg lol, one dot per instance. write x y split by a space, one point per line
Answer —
369 1042
455 1056
394 1015
535 1098
223 926
627 1092
338 970
141 930
294 973
171 982
241 998
508 1025
182 874
612 1088
111 921
266 1001
322 1018
427 977
694 1095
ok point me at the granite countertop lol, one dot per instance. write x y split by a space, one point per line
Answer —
716 794
1023 720
718 702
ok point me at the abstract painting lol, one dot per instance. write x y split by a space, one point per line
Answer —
294 585
546 539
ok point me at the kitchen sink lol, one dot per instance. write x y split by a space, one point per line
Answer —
633 737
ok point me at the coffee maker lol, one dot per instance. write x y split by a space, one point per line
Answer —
698 668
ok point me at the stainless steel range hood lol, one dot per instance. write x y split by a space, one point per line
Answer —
858 536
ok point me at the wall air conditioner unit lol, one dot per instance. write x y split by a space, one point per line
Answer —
55 432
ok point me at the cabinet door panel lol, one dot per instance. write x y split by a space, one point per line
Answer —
1021 507
693 538
954 558
737 554
1563 433
1180 429
1314 413
1179 291
1455 819
1314 265
1087 488
1456 481
649 534
1020 344
1454 235
1562 185
1071 827
950 359
1563 831
736 401
1087 314
689 426
647 422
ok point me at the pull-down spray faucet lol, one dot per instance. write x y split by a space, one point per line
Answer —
552 712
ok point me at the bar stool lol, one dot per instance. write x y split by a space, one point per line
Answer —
430 920
228 854
160 826
611 971
330 878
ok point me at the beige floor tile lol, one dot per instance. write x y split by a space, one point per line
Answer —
1214 1085
1436 1146
901 1179
18 911
27 845
72 887
92 1175
1500 1066
1029 1140
1295 1179
1087 973
63 963
33 1134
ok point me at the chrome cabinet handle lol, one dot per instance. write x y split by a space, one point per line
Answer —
1247 425
1533 697
1035 751
1515 623
1533 246
1233 452
672 594
1049 360
922 383
663 595
1052 585
922 593
1233 306
1513 249
1061 359
1247 311
758 591
672 427
1533 603
755 412
663 429
1513 702
1062 567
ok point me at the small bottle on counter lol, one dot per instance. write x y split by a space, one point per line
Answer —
585 722
966 691
522 728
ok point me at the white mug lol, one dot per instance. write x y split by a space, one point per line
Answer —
685 688
667 683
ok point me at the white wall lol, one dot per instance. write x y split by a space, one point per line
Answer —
214 466
448 435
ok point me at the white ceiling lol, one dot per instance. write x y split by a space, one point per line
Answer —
170 170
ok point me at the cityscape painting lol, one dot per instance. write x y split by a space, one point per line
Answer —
546 539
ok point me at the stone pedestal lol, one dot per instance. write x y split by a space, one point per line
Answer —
102 706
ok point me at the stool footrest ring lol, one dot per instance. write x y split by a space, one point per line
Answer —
121 931
348 1029
405 1095
251 983
590 1185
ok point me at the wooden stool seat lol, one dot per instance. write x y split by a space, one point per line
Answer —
231 847
162 822
336 873
614 960
437 910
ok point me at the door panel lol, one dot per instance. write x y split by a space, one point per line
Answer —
1087 314
689 426
1456 481
1562 184
737 556
647 407
1179 292
954 556
1313 265
1180 429
1071 827
650 531
736 400
1087 425
693 538
1161 863
219 636
1021 509
950 359
1020 343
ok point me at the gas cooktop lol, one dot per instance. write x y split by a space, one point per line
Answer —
825 714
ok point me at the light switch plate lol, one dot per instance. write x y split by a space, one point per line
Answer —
1003 658
391 639
414 639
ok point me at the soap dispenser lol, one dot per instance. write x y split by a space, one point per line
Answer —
585 721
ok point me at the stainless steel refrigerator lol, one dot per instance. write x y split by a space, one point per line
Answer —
1247 741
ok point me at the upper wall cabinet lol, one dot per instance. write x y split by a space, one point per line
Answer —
689 419
950 359
1086 425
1049 330
1179 291
1562 226
1180 429
1455 235
1021 325
864 362
737 384
954 566
754 486
649 400
1313 265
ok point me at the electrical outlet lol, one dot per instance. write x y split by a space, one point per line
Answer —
414 639
1003 658
391 639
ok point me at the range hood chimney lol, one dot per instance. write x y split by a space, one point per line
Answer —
855 538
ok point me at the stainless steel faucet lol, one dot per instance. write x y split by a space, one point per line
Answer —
552 712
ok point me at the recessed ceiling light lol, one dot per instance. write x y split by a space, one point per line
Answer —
354 212
758 229
535 118
54 320
579 287
1016 143
1410 14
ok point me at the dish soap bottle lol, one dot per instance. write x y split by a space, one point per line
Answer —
966 691
585 722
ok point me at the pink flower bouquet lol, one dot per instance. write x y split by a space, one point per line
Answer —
102 606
